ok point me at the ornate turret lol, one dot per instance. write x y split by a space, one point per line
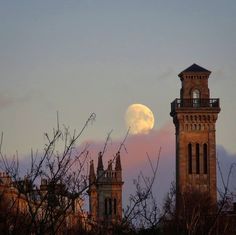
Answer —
106 193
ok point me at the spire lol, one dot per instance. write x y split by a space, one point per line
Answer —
100 163
92 176
109 165
118 163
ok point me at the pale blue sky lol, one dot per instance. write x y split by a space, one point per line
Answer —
78 57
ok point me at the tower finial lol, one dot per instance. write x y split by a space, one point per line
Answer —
92 176
118 163
109 165
100 162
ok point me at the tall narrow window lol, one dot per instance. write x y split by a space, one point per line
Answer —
197 159
105 206
114 206
110 206
205 158
190 158
196 98
196 94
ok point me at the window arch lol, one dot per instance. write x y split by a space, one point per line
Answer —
106 211
190 158
196 97
110 206
115 205
197 159
196 94
205 158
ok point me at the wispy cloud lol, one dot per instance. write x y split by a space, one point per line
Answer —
8 99
166 74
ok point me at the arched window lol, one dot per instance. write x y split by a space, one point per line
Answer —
196 94
199 127
110 206
190 158
114 206
196 97
205 158
105 206
197 159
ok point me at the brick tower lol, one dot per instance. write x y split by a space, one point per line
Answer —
105 191
194 116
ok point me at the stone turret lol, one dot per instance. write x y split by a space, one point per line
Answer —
105 194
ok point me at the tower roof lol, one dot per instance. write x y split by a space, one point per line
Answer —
194 68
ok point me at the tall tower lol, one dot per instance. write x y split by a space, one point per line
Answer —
194 116
105 191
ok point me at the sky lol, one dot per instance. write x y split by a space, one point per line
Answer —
84 56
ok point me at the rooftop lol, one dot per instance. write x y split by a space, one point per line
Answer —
195 68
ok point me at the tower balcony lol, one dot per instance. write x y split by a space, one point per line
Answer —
182 104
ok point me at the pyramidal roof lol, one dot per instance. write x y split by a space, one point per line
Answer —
195 68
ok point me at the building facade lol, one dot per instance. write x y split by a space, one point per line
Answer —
194 115
25 207
105 191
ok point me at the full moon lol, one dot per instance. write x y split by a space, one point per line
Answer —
139 118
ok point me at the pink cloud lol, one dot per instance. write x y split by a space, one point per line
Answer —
6 101
135 159
138 146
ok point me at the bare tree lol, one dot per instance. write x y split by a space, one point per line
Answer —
197 214
48 198
142 211
54 185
